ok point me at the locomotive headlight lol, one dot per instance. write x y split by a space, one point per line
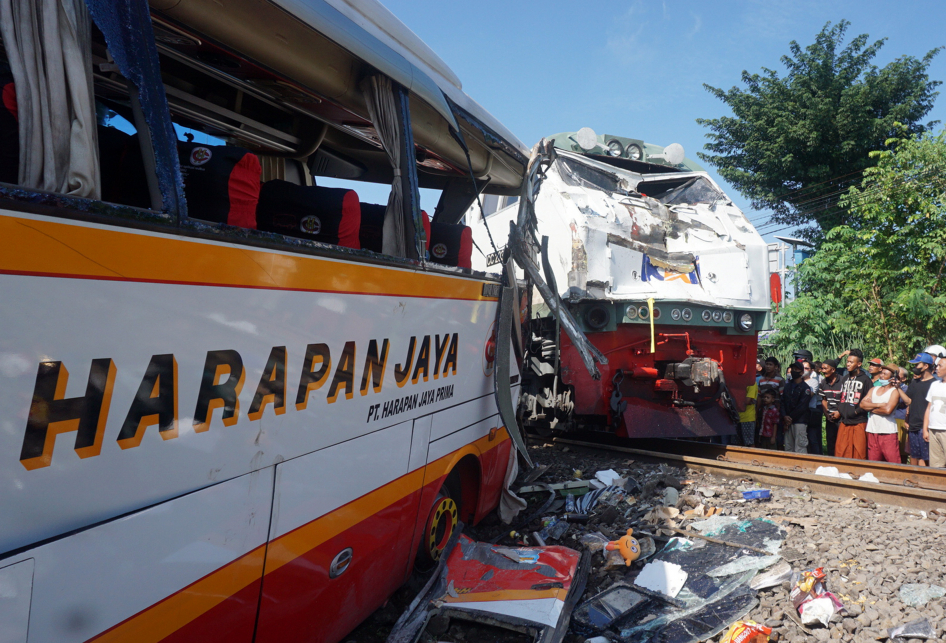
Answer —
675 314
717 316
615 148
631 312
727 316
634 152
707 316
687 314
745 322
597 317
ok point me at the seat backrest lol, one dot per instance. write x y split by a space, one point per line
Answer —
372 226
221 183
329 215
9 132
451 244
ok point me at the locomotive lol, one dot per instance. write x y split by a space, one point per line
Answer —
651 265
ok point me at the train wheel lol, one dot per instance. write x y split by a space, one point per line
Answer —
441 523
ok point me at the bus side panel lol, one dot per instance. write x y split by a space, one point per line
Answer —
356 495
145 576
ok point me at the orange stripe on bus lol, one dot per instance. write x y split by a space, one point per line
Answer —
48 248
177 610
174 612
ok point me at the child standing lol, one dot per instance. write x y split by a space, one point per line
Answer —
769 419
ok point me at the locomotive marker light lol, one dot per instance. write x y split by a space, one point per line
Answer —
745 322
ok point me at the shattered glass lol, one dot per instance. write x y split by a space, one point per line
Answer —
697 190
716 592
579 175
919 594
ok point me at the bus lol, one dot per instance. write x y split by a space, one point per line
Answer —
656 266
237 401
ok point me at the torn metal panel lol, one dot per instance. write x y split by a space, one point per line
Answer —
528 589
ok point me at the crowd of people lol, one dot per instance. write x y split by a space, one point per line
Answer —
842 407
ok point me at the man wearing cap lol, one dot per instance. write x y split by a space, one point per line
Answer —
852 432
934 421
873 368
829 392
937 352
915 397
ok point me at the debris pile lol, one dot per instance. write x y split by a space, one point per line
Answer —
679 556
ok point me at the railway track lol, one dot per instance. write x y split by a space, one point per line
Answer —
900 485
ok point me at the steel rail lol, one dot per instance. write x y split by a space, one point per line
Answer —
887 472
926 499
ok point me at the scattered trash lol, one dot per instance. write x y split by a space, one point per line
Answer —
919 594
707 492
775 576
868 477
627 546
648 548
757 494
610 478
661 576
671 497
833 472
553 529
814 603
918 513
594 542
921 629
587 502
746 632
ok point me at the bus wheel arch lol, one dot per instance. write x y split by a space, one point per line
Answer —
456 501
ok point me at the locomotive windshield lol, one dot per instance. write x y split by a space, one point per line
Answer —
696 190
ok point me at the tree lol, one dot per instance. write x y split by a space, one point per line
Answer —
880 277
794 143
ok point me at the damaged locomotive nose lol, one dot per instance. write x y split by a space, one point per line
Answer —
660 272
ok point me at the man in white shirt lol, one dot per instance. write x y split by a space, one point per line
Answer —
934 422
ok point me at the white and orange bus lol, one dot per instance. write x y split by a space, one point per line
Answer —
235 404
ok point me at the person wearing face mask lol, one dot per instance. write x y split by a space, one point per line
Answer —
829 392
915 397
795 406
934 421
881 401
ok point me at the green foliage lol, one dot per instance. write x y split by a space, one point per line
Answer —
795 142
877 283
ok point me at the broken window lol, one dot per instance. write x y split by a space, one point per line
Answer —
580 175
696 190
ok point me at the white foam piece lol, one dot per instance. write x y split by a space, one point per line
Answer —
661 576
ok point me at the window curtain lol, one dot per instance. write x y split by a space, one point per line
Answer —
48 45
382 108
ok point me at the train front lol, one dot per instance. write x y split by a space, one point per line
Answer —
667 278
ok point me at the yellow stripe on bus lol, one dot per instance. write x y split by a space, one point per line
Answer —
177 610
51 248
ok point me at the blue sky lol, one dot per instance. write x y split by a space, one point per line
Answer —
637 68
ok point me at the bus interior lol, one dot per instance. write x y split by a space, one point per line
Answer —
265 121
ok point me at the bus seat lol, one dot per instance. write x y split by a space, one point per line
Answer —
451 244
329 215
9 133
221 183
372 226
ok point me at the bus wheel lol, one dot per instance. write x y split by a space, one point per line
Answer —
441 523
